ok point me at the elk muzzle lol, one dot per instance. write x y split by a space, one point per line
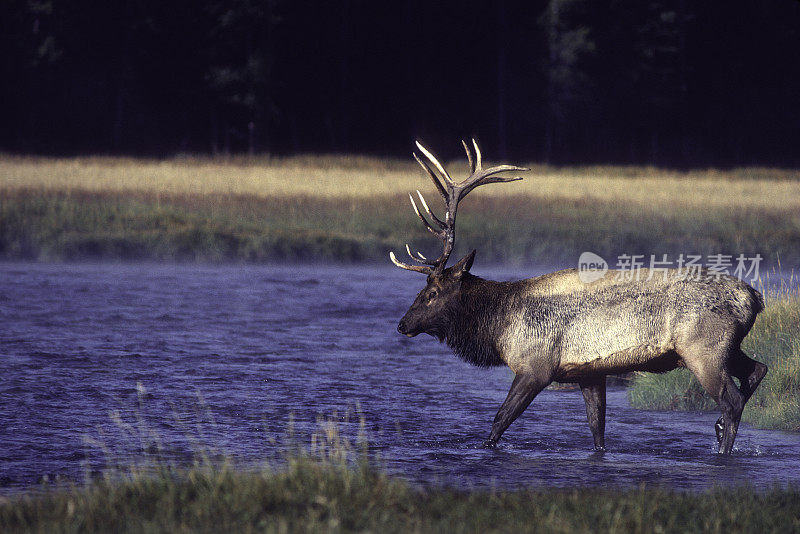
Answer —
404 329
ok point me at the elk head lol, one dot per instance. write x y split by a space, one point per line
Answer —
434 303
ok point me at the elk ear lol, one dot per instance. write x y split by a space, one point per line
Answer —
463 265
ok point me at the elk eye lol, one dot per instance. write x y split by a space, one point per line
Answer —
432 295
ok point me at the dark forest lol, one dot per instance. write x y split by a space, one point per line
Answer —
670 83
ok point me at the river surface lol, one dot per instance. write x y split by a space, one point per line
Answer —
104 362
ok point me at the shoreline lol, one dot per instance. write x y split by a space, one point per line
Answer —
329 495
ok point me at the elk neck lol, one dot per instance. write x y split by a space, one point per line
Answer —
475 323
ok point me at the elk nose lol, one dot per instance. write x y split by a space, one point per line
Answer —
402 327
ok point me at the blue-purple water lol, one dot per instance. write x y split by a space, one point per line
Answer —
133 358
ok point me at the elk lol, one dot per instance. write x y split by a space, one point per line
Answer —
556 328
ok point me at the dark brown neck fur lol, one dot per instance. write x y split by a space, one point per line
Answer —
474 325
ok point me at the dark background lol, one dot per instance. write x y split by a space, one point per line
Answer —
674 83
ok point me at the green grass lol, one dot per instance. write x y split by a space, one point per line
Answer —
55 226
323 496
773 340
90 225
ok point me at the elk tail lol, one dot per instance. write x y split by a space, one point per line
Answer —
756 299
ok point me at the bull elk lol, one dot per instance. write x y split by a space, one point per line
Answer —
556 328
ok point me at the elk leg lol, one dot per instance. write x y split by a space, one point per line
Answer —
732 403
719 384
594 395
750 373
524 388
707 364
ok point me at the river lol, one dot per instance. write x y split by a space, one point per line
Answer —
113 361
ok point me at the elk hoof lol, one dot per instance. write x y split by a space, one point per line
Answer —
490 444
719 428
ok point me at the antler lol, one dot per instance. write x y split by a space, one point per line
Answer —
452 193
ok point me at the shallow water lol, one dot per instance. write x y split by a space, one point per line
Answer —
122 356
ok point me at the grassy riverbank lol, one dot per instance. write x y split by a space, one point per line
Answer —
313 496
774 340
356 209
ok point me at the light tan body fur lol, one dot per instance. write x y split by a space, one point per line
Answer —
616 324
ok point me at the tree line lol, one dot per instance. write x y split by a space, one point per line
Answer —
664 82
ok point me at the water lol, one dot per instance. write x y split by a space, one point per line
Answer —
124 356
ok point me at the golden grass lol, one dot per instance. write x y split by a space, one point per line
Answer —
767 190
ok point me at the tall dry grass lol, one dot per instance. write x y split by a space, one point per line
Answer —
360 177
